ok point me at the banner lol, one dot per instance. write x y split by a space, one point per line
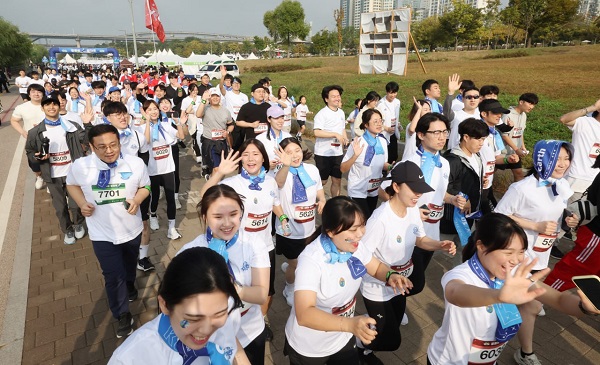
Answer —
153 20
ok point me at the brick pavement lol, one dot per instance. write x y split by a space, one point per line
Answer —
68 321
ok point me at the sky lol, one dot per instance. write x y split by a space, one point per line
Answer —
236 17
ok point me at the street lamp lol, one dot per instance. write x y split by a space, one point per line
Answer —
133 31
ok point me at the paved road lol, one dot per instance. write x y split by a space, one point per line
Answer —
56 311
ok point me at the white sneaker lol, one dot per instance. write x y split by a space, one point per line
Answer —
69 238
79 231
173 234
542 312
198 159
39 182
177 204
527 360
284 266
404 321
154 223
288 294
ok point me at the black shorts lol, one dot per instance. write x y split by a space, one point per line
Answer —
272 273
289 247
516 165
301 123
329 166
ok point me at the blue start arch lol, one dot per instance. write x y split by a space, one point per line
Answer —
54 50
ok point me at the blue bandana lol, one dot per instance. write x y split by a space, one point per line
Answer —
254 180
301 181
374 147
124 133
213 351
62 123
436 107
429 162
498 142
104 175
509 318
136 106
156 128
332 255
545 157
277 139
220 246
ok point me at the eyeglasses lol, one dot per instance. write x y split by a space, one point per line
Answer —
437 134
471 97
104 148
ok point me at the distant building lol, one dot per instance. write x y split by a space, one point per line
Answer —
354 8
589 8
439 7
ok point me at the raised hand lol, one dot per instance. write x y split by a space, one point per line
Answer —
356 146
284 157
230 163
453 83
518 288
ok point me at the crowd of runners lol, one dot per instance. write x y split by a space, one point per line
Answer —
107 144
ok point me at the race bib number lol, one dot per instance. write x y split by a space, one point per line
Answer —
262 128
485 352
595 151
544 242
287 119
517 132
490 166
137 120
373 185
161 152
305 214
302 114
113 193
217 134
347 310
404 270
257 222
335 142
60 158
436 212
236 109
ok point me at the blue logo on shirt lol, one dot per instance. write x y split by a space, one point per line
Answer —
245 266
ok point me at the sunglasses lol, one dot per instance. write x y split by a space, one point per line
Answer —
471 97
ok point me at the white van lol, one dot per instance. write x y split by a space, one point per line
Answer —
213 70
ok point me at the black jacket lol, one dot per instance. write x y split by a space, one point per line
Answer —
75 142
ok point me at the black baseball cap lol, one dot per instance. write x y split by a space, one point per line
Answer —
492 105
409 173
256 86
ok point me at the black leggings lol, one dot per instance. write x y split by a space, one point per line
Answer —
421 259
346 356
255 350
388 316
168 182
175 154
393 149
367 205
195 146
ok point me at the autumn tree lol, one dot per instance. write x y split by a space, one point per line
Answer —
286 22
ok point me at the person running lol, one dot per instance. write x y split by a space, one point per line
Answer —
370 101
390 109
221 210
23 81
322 325
76 103
420 108
364 161
288 105
189 106
273 138
301 113
252 117
393 232
481 295
199 317
302 197
109 188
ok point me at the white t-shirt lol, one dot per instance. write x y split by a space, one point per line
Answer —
161 161
586 141
302 216
287 115
188 100
258 206
519 123
301 112
146 345
110 220
467 335
243 256
135 142
60 156
457 104
234 102
410 147
38 81
364 180
525 199
392 240
330 121
73 117
488 153
23 83
459 116
270 146
31 115
391 115
336 294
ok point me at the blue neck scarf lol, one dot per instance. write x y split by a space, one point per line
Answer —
301 181
459 97
429 162
497 138
278 140
332 256
136 106
436 107
75 105
213 351
220 246
374 147
104 175
124 133
60 122
156 128
254 180
52 123
105 120
97 99
509 318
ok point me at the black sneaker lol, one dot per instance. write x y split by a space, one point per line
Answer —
132 293
268 333
368 359
556 253
125 325
145 264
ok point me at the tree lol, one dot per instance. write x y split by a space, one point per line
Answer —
323 43
462 23
338 16
350 39
15 47
286 22
259 43
38 52
429 33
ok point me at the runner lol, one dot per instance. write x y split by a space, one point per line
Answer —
288 105
390 109
301 113
420 108
273 138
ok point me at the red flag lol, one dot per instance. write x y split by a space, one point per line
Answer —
153 20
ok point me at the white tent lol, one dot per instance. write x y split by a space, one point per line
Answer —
68 60
252 56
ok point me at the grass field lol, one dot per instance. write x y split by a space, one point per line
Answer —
565 78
